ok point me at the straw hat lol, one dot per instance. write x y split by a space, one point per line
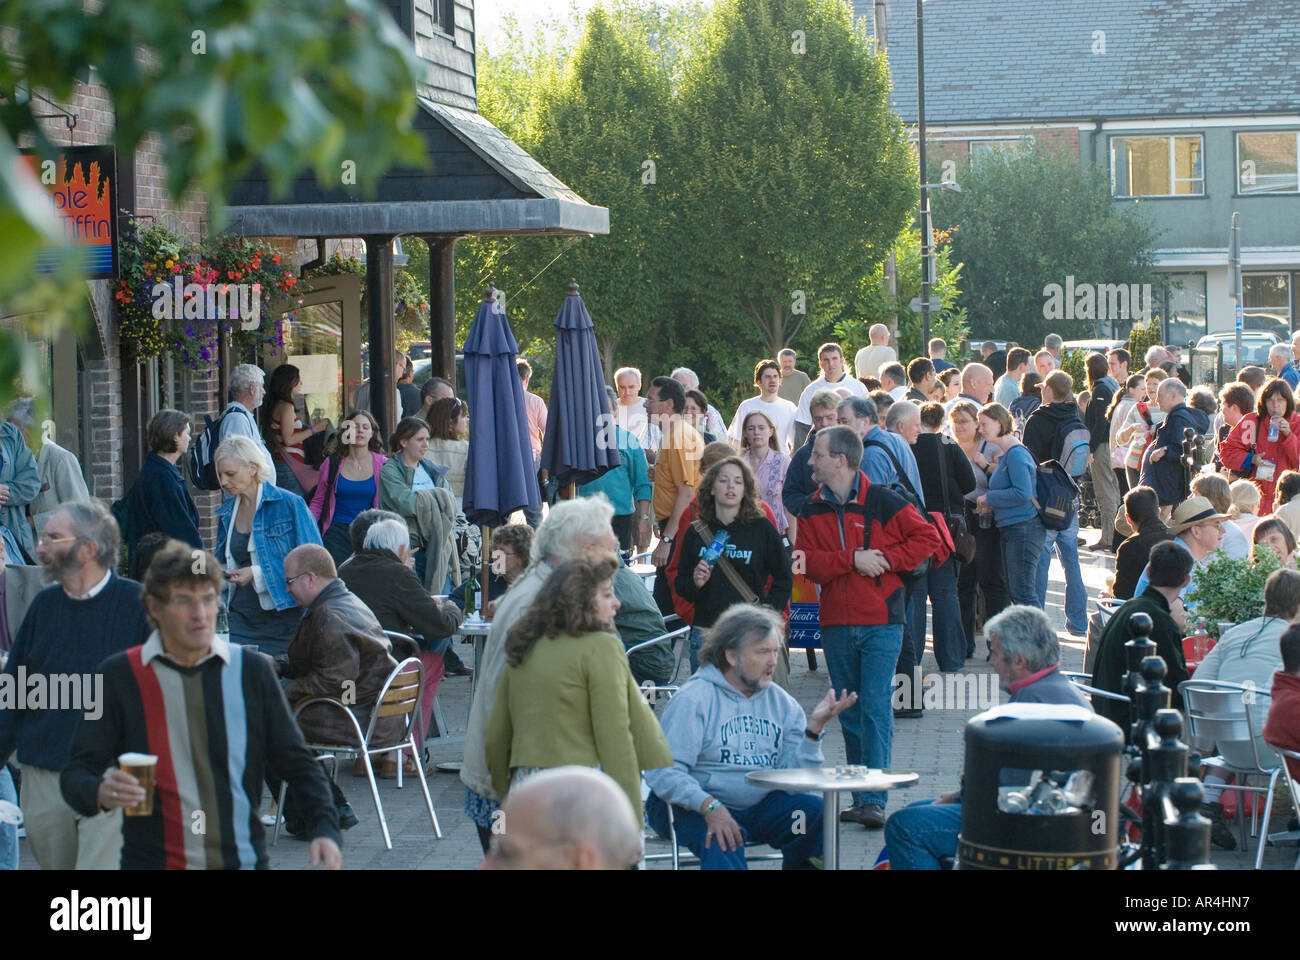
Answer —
1193 511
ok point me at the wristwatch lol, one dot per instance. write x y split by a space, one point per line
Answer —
667 539
814 737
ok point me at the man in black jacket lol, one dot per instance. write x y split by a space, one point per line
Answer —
799 484
1104 485
1046 431
1171 568
1162 464
1143 512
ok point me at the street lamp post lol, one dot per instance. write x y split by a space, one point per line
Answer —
924 217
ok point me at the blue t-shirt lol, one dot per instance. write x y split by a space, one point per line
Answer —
351 497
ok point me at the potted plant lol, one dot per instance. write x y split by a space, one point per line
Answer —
1231 591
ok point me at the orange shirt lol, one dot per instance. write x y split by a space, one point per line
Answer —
678 465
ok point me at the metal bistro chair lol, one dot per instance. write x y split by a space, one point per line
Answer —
400 696
1295 800
400 640
675 853
1225 714
1084 682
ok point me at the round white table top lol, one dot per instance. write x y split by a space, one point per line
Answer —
832 778
475 627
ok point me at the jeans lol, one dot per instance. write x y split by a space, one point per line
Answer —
8 831
861 659
772 821
1022 548
949 639
986 574
1076 594
696 640
922 832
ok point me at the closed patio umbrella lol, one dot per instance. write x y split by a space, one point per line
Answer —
499 475
579 443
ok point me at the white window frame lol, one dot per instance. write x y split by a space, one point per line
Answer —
1242 191
1173 180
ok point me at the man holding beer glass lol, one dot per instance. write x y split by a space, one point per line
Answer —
197 719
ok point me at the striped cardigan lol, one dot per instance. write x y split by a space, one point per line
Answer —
214 727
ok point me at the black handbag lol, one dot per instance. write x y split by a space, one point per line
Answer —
963 541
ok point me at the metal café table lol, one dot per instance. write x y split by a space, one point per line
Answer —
476 630
831 782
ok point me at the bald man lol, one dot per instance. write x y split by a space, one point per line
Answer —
566 818
870 359
976 385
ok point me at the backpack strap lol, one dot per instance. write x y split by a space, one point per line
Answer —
898 469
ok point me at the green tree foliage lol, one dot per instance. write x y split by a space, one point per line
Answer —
777 169
875 304
287 84
1141 339
1032 217
793 178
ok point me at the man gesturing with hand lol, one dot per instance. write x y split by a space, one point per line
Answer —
730 719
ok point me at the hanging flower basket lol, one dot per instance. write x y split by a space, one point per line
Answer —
179 298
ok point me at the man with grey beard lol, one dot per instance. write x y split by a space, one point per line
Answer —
68 631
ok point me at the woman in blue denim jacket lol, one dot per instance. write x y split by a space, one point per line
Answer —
256 528
1010 497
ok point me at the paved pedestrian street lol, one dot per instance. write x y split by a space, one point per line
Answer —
931 746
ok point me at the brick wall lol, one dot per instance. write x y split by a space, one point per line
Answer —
956 145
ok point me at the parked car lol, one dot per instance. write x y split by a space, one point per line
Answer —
1214 358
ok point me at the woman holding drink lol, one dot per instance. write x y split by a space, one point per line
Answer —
986 572
1266 442
1139 427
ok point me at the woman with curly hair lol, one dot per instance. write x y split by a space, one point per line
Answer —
567 695
729 504
348 481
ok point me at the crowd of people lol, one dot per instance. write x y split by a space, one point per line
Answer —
909 497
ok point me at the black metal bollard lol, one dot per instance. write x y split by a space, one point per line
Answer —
1135 651
1150 698
1187 835
1165 762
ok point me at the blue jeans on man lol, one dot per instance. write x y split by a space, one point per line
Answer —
1022 548
940 584
921 833
1076 594
861 659
791 822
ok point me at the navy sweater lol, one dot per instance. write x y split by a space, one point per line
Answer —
60 635
160 501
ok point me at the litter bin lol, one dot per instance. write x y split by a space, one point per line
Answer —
1041 790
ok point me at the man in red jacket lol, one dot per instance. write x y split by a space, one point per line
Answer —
1282 729
853 539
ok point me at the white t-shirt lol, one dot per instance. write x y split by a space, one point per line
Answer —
635 419
780 412
422 480
899 392
854 387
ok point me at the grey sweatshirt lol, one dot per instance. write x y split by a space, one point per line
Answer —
717 735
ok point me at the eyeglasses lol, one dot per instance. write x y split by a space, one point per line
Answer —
289 582
49 540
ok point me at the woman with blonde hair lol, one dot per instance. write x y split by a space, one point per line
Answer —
257 526
567 695
1245 506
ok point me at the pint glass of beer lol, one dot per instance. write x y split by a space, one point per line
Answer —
142 766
